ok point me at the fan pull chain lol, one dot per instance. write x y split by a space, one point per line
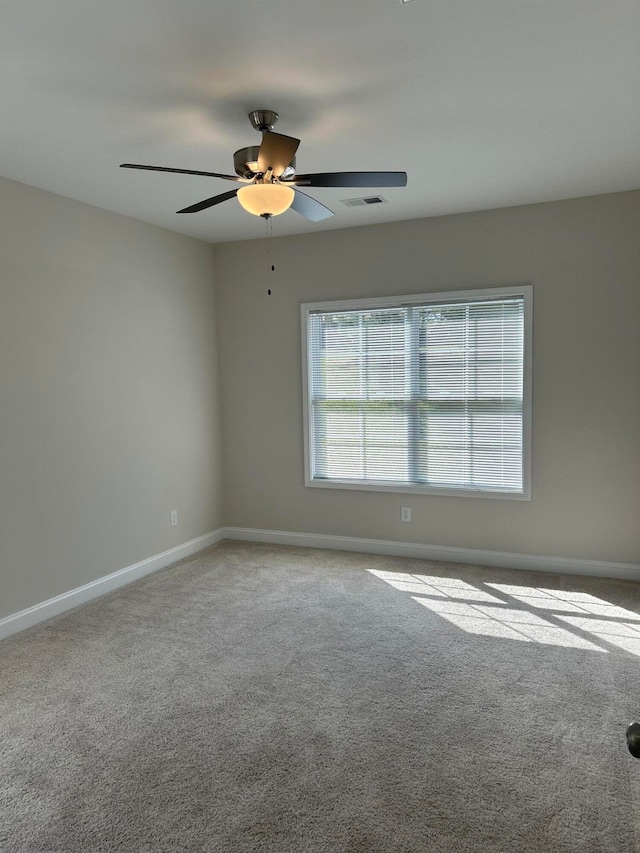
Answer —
270 258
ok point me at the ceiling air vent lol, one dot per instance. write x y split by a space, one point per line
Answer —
360 202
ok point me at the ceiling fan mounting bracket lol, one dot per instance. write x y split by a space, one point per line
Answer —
263 120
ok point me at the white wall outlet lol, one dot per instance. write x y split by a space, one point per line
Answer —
174 517
405 513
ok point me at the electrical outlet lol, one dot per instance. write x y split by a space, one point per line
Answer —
174 517
405 513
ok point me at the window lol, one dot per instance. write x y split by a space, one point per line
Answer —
426 393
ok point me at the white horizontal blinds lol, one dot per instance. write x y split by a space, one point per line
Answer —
471 392
358 386
420 394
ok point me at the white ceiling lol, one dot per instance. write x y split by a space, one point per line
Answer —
484 103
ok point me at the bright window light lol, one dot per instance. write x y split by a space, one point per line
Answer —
427 393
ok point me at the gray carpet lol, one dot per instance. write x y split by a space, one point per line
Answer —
264 698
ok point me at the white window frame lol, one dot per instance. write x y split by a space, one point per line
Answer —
525 291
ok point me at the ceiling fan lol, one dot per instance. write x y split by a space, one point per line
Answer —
268 174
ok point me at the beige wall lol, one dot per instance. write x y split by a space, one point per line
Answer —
583 259
109 405
108 393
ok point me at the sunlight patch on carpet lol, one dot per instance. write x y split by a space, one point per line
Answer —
509 611
621 634
507 623
434 586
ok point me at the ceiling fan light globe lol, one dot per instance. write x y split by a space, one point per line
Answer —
266 199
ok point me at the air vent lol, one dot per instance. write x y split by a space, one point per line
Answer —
360 202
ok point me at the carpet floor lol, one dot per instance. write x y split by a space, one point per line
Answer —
269 698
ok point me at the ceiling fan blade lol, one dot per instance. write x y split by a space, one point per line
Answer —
180 171
276 152
309 207
351 179
208 202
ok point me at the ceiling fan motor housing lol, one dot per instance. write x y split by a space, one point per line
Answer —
245 162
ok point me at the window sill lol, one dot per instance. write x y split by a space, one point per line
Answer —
412 489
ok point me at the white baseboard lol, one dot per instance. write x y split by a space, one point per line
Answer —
67 600
499 559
